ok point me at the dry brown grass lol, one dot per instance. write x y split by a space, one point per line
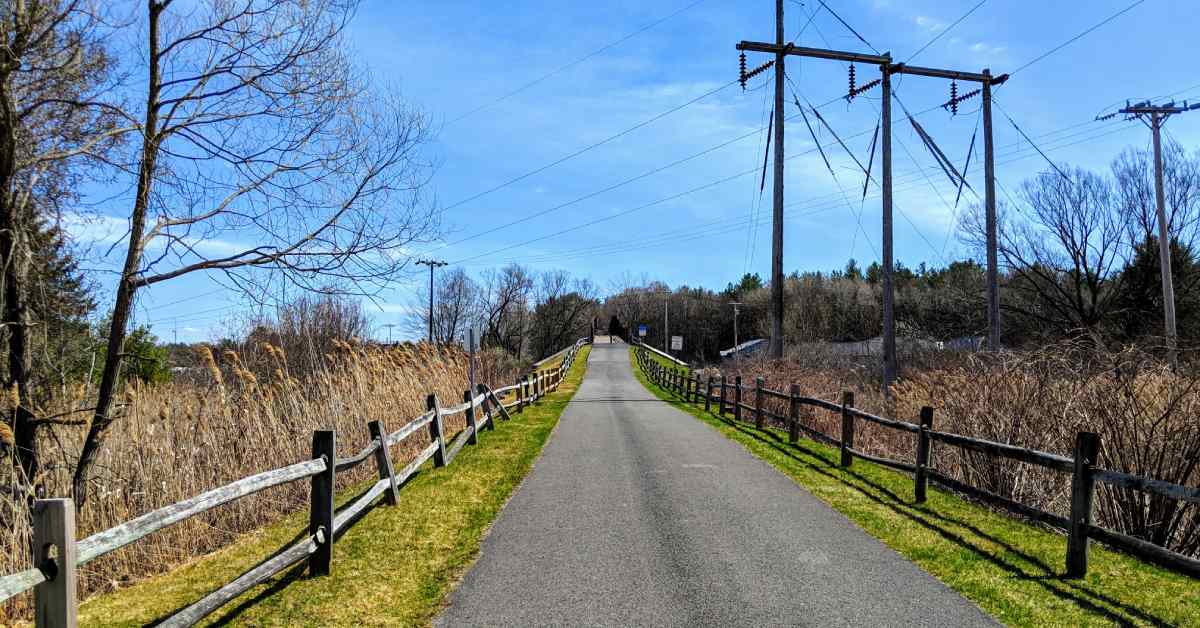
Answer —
177 440
1145 414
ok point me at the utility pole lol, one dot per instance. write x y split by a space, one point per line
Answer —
989 203
777 222
885 165
432 264
1158 115
736 311
389 328
887 68
667 323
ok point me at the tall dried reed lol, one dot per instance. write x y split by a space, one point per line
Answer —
1145 414
180 439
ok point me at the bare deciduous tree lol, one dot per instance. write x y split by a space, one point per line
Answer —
505 299
456 305
1064 250
264 156
53 64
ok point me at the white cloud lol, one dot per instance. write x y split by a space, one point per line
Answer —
930 24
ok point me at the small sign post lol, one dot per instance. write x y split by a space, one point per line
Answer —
676 343
642 331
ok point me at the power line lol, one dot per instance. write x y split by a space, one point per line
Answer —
944 31
574 63
1079 36
723 225
589 147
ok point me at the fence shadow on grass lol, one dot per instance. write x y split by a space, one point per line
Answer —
1049 578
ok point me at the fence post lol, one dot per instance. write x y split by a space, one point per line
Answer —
472 424
737 397
499 406
487 406
920 477
722 404
758 402
320 512
794 414
695 388
435 430
54 526
383 460
847 428
1083 490
708 388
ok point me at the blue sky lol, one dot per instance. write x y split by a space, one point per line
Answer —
450 58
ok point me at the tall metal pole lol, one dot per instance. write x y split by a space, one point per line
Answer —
989 187
1164 242
889 322
777 230
432 264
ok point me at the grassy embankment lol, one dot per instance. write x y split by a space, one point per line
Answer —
1009 568
393 567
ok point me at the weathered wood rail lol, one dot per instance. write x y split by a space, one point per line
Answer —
1081 466
53 576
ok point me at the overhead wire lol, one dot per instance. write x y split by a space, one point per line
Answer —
564 68
905 181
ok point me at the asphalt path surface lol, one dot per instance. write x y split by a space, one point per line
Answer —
638 514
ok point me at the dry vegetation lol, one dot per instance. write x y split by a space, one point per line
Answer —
179 439
1145 414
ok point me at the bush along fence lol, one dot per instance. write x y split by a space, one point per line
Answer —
729 399
58 556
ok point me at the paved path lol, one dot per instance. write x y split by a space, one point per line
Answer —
638 514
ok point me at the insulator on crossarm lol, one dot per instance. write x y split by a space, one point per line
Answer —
954 98
850 93
742 70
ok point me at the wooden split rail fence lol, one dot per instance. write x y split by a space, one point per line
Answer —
1080 528
57 555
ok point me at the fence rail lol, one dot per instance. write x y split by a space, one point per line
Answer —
53 578
1081 466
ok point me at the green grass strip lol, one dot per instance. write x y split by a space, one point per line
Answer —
394 567
1011 569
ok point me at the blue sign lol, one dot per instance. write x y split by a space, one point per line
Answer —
642 330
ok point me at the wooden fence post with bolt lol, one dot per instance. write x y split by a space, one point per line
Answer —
758 402
708 389
436 434
1083 491
320 513
737 397
794 414
383 460
472 421
920 477
847 428
721 406
55 600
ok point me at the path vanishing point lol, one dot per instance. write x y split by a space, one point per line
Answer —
639 514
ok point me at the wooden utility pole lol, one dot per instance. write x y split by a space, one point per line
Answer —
432 264
989 202
887 68
885 164
1158 116
736 305
777 222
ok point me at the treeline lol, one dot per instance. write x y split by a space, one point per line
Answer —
1079 258
527 315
